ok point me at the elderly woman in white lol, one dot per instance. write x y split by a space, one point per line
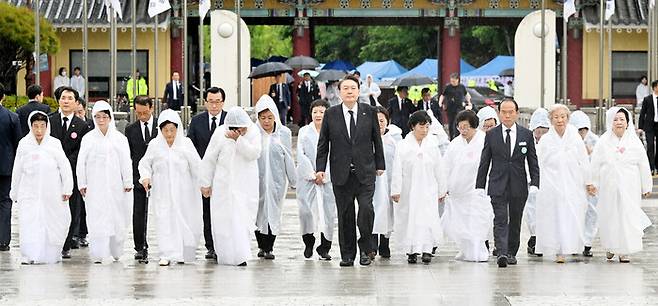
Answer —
488 118
370 91
621 175
41 185
562 196
539 124
168 170
104 171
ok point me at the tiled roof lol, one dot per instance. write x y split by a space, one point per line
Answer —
628 14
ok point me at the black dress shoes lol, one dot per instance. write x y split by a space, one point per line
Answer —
139 256
309 242
210 254
427 258
83 242
511 260
66 254
74 244
4 247
412 258
588 251
365 259
346 263
502 261
244 264
268 255
261 253
324 255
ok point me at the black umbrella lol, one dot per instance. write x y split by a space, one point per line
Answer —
302 62
269 69
412 80
507 72
330 75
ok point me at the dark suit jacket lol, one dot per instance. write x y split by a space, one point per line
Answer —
274 93
306 97
169 96
647 114
508 172
71 138
434 106
365 152
137 144
10 135
400 117
199 131
25 111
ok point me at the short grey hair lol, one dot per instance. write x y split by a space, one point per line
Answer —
555 107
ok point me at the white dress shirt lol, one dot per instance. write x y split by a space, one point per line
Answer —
174 87
512 136
217 118
655 107
149 124
346 114
70 117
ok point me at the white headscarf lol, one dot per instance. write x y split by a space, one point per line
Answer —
629 134
30 134
487 113
102 106
266 102
539 119
580 120
173 117
237 117
30 141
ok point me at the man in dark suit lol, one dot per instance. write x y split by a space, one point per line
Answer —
649 123
454 99
307 92
400 108
280 93
10 134
69 129
139 133
350 136
80 233
201 128
507 148
429 104
35 94
173 94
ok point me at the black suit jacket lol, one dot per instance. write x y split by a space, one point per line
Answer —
169 96
306 96
10 135
199 131
365 152
508 172
400 117
25 111
71 138
137 144
434 106
274 93
646 121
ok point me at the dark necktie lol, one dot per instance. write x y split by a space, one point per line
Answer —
213 125
352 125
427 107
64 121
147 134
508 141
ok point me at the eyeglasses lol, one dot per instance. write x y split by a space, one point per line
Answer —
463 127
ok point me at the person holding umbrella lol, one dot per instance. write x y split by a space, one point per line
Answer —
280 93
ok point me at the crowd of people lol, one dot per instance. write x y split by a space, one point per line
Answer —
81 183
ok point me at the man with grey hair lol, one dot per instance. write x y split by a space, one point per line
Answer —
454 99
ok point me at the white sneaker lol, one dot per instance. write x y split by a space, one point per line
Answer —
163 262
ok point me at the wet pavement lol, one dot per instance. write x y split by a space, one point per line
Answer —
292 280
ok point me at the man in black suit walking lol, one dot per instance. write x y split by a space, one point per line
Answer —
202 127
649 123
507 147
280 93
10 134
35 94
69 129
429 104
350 137
307 91
173 94
400 108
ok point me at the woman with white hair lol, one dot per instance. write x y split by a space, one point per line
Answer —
105 180
539 125
370 91
562 197
488 118
621 176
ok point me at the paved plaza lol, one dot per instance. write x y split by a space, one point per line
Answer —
292 280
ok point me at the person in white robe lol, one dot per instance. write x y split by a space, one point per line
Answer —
41 185
104 172
317 204
229 176
642 90
488 118
383 204
539 125
168 171
439 133
276 169
581 121
562 196
370 92
418 185
468 216
621 176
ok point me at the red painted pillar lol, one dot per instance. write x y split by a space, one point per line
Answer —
575 69
450 54
176 46
301 45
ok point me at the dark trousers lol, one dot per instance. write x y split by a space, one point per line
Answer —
175 104
508 211
380 244
305 113
81 230
5 210
265 241
452 127
207 230
74 207
140 218
345 195
283 113
651 145
325 245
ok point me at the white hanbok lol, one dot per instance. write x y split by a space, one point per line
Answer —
175 195
485 114
104 168
418 178
230 167
41 176
562 195
317 204
439 133
383 205
275 167
468 216
538 119
621 173
368 89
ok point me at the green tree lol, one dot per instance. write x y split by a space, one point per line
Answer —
480 44
17 40
408 45
269 40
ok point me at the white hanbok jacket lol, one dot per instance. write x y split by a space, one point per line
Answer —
382 202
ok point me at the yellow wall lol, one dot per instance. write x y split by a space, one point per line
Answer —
623 41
